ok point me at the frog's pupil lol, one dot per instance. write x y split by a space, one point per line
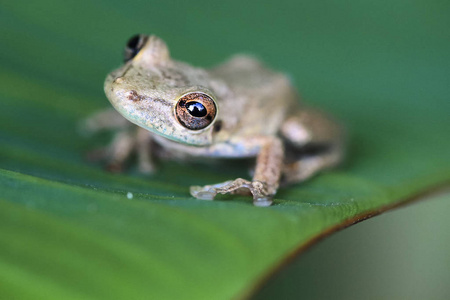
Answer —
196 109
133 42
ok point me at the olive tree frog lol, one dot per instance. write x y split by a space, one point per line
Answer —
239 109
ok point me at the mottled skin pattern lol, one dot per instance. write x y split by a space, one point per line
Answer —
258 115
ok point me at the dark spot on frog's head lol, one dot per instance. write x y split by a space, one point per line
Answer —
134 96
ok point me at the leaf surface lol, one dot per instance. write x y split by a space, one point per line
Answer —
68 229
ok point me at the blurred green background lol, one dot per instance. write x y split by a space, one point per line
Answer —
387 59
402 254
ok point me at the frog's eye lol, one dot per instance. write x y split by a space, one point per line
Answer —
134 45
195 111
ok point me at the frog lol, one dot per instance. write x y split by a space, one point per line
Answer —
240 109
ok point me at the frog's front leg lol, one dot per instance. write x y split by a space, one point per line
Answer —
125 143
127 140
107 119
265 180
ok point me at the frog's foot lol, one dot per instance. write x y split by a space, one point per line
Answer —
144 151
259 190
120 149
124 144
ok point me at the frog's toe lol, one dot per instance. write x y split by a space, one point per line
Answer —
208 192
263 201
114 167
203 193
146 168
239 186
261 195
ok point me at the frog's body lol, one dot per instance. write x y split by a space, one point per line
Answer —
236 110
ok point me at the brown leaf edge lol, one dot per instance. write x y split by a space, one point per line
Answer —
259 283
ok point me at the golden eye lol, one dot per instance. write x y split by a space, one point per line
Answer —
195 111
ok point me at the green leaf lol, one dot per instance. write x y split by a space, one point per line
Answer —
68 229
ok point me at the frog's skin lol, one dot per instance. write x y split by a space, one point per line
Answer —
257 114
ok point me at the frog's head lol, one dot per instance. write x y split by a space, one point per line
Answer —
166 97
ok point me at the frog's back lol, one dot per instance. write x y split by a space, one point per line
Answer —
267 95
245 73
